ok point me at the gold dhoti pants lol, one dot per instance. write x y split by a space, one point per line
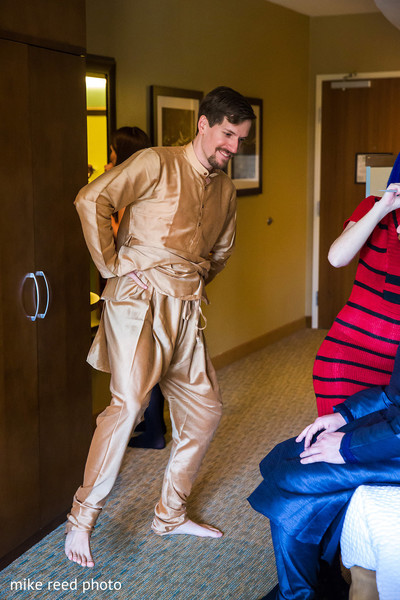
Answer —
151 338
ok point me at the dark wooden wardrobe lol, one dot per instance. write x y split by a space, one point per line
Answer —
45 393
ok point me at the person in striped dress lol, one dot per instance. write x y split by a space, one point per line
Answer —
360 347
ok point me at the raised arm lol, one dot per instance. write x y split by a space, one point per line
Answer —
354 236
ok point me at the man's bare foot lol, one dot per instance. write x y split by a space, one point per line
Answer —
199 529
77 548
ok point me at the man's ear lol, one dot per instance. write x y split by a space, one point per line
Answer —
203 124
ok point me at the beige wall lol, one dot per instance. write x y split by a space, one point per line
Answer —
261 50
353 43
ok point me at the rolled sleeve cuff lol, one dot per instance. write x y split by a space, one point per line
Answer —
345 450
344 411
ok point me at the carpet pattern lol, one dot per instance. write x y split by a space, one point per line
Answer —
268 396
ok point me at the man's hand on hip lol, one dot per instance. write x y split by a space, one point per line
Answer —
135 276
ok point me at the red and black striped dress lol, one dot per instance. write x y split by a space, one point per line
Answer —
360 347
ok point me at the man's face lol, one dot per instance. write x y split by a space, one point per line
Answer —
220 142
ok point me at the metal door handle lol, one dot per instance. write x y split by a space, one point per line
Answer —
33 276
44 313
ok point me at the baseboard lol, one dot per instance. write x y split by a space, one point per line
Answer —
230 356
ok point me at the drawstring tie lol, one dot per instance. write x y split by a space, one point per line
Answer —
187 313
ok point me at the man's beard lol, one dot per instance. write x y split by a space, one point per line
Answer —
212 160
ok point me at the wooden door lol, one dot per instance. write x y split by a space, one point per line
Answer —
45 23
58 126
45 395
19 406
361 120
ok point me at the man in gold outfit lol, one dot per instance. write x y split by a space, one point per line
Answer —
176 234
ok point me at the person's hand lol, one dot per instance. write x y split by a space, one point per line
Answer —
108 166
356 233
327 422
324 449
135 276
391 198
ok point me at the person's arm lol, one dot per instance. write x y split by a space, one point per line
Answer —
378 439
323 441
111 192
364 403
354 236
370 442
223 247
375 442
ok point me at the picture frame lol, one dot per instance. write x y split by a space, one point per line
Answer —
174 114
245 168
361 160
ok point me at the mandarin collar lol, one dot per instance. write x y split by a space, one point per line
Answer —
196 164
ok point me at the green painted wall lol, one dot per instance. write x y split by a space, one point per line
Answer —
263 51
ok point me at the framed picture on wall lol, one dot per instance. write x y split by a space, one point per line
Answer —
173 115
245 168
364 159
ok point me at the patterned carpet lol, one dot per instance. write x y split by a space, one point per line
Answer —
268 396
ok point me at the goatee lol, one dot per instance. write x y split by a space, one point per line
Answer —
212 160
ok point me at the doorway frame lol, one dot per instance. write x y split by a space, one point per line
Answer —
319 81
106 65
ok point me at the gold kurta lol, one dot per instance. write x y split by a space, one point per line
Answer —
178 229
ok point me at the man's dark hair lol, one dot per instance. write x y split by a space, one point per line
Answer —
225 102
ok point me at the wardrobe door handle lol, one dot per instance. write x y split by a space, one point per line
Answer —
33 276
44 313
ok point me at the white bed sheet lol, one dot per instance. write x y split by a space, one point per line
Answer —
371 536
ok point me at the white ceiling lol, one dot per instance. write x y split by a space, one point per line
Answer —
325 8
328 8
